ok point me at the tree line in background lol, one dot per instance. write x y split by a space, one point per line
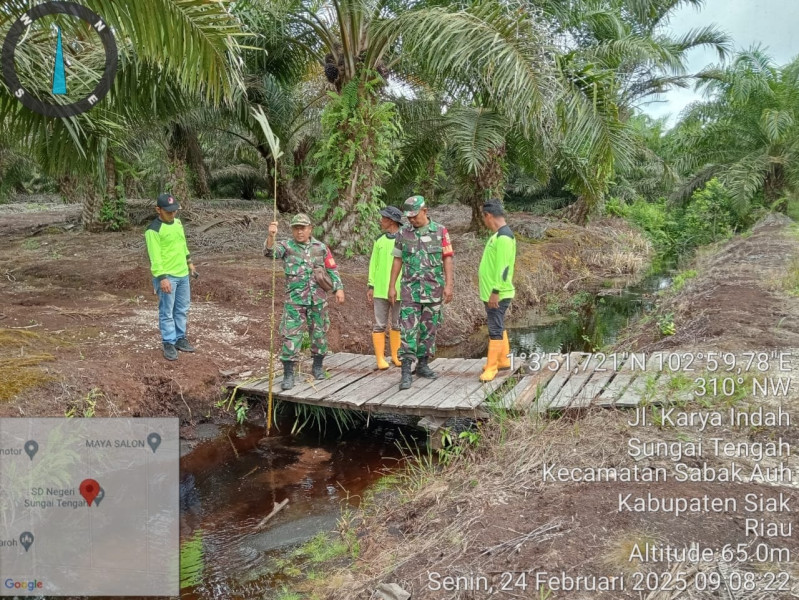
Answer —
534 101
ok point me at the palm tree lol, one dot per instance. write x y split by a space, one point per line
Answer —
471 140
173 53
615 54
362 42
746 133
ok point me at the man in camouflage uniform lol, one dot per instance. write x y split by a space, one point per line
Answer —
423 251
306 301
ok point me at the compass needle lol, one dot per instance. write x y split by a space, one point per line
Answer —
19 33
59 76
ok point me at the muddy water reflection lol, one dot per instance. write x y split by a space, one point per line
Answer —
230 483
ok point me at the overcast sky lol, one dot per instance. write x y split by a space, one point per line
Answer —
773 23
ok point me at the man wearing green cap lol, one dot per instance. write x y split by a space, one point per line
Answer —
423 252
306 299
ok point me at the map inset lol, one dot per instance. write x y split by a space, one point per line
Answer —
89 507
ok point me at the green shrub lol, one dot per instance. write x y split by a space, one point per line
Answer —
681 278
676 231
709 217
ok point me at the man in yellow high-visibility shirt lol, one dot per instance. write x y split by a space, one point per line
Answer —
170 265
379 274
496 286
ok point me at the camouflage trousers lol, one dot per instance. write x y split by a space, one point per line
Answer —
295 317
419 324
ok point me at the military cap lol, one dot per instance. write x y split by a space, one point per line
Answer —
300 219
413 205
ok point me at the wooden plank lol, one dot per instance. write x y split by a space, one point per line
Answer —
418 393
635 392
560 379
446 379
365 389
615 388
538 379
581 373
262 385
508 401
454 396
541 379
345 375
418 382
306 384
481 395
598 380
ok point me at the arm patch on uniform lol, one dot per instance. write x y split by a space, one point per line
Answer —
446 244
330 262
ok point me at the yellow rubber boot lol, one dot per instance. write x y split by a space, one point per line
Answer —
379 341
395 339
494 349
504 361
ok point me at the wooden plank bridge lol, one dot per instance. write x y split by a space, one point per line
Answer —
353 383
567 382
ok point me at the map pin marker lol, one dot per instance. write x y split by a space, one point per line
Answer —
89 489
31 448
26 539
154 440
99 498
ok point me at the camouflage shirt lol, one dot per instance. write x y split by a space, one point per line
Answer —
422 252
299 262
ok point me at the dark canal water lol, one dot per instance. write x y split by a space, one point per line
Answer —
230 483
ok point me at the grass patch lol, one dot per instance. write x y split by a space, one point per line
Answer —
286 594
621 549
790 282
722 389
321 548
318 417
21 354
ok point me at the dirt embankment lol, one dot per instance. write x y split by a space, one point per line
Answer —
79 316
493 517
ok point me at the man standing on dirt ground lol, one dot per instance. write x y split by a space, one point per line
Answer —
496 286
424 253
170 265
307 263
379 273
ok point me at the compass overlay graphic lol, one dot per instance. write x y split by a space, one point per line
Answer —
59 86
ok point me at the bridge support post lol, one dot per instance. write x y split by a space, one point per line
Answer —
433 426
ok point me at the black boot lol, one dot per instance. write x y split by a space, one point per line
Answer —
288 375
422 370
318 371
406 380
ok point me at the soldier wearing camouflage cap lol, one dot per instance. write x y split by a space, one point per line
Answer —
423 251
306 301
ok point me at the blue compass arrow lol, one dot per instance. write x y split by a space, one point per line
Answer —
59 77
